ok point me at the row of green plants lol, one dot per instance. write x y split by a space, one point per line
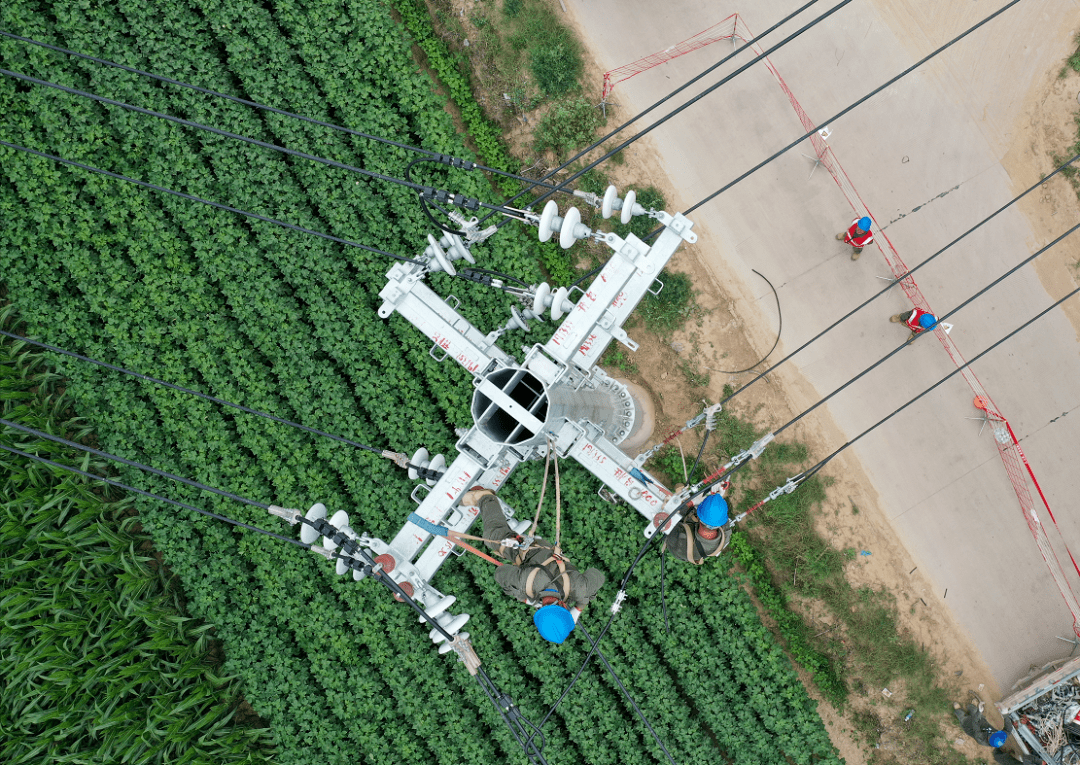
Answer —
287 324
486 134
791 626
100 662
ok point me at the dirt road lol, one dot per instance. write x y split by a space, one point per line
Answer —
931 156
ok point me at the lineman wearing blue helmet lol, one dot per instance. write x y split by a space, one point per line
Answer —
705 532
975 725
857 235
917 320
537 575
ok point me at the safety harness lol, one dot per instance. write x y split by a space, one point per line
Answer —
695 553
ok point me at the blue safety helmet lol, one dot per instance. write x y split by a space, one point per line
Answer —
927 320
998 738
713 511
865 223
554 623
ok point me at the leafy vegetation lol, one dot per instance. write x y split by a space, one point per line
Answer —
100 663
287 324
566 126
668 310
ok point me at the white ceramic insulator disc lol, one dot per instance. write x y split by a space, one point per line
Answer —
540 302
440 256
459 250
547 217
438 464
566 233
420 458
628 206
308 535
456 624
340 567
608 205
558 303
439 607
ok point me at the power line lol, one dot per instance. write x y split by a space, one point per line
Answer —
689 103
468 203
889 355
957 371
191 392
843 111
147 494
504 705
629 698
940 319
899 279
218 205
131 463
443 158
666 98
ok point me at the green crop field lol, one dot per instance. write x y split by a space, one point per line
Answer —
286 323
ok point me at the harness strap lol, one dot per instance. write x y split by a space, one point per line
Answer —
529 582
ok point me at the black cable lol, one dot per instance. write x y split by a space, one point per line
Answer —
690 475
457 199
940 319
435 156
842 112
131 463
629 698
189 391
218 205
151 495
497 274
957 371
510 715
900 278
663 100
663 594
778 331
589 655
592 273
894 352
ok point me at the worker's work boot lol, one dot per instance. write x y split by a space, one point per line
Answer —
911 339
897 318
472 497
840 236
856 253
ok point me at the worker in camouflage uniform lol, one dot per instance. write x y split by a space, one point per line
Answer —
975 725
704 533
539 575
1004 758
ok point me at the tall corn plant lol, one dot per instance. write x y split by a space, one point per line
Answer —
98 664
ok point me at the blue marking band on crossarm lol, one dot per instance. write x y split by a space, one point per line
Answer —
427 525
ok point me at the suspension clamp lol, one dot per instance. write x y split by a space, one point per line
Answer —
619 598
293 517
398 458
323 551
465 653
791 485
759 446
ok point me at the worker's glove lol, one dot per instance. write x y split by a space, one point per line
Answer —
576 613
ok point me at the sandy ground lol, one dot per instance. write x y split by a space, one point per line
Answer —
954 141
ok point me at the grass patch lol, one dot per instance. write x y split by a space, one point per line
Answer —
568 125
616 356
522 55
668 311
